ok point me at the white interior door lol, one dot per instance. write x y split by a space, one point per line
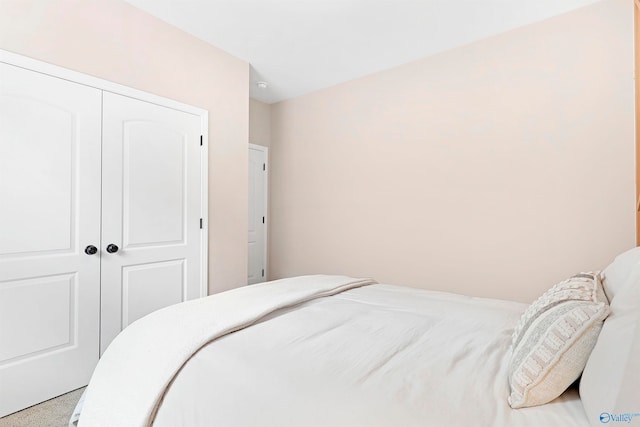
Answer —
151 210
257 214
50 193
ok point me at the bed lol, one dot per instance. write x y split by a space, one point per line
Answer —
339 351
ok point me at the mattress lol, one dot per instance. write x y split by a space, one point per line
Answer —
378 355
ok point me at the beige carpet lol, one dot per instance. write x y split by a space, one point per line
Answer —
52 413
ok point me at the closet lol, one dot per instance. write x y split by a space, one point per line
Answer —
103 193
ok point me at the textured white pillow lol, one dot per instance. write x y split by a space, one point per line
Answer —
610 384
554 338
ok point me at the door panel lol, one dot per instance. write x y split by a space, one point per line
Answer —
149 287
154 184
48 318
37 230
151 210
50 186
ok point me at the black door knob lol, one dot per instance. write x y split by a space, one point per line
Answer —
90 250
111 248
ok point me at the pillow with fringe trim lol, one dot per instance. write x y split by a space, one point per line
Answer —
554 338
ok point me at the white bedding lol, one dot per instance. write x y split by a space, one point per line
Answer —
377 355
138 366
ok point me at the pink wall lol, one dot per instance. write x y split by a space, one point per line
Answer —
117 42
495 169
259 123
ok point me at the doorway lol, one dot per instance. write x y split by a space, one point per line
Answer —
258 173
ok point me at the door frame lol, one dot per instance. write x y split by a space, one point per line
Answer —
265 259
105 85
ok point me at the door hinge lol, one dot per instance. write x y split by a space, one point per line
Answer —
200 222
264 166
263 220
201 140
263 272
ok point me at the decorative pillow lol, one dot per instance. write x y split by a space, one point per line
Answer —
553 340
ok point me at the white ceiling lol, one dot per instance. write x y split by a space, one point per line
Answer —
299 46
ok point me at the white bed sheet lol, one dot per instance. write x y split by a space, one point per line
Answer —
380 355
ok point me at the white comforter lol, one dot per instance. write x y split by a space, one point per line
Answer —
376 355
137 368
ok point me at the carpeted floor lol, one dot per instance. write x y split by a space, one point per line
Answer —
52 413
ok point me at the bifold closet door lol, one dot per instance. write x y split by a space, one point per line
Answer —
151 200
50 215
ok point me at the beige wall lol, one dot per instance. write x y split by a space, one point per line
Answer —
495 169
259 123
115 41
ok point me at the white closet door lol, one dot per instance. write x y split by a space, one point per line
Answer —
150 210
257 214
50 195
